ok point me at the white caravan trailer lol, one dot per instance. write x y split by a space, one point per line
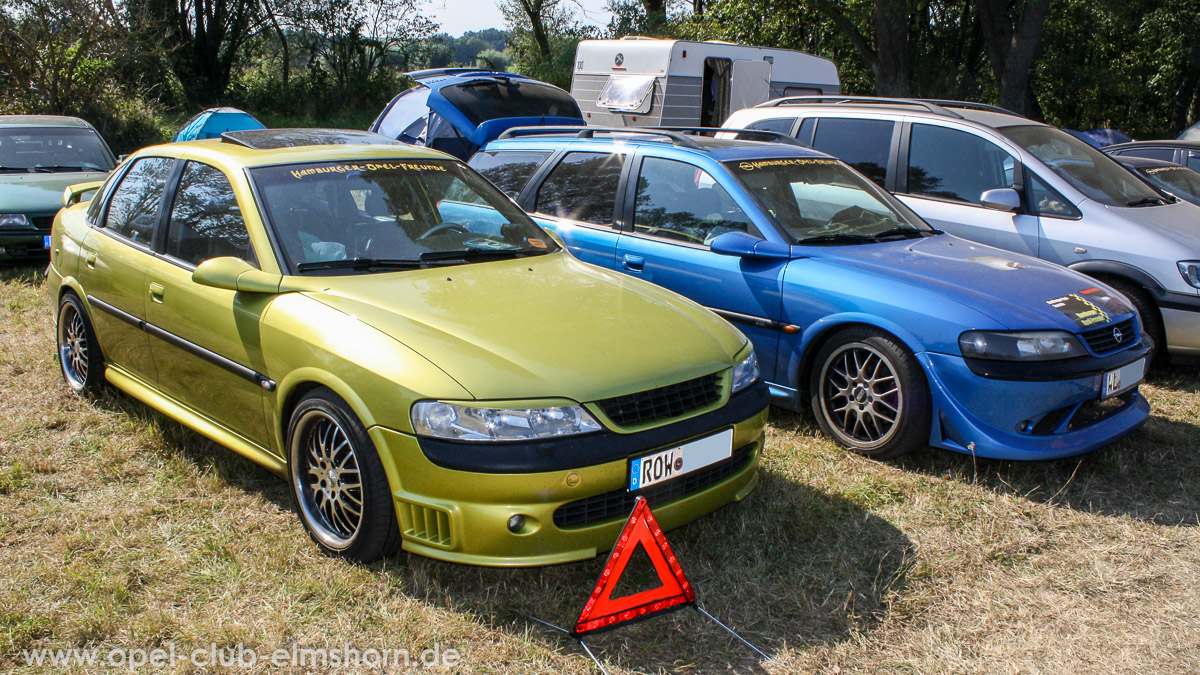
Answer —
638 81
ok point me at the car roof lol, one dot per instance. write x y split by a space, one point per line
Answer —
42 121
265 147
1161 143
719 149
939 109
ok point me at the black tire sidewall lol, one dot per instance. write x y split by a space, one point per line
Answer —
378 535
1148 315
95 366
914 424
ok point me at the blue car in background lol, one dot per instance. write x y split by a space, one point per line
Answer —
896 334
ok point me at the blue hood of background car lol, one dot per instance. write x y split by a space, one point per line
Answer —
1009 288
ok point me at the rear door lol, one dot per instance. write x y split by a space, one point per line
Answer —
947 170
112 270
676 209
206 346
578 200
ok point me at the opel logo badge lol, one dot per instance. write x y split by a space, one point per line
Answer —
1117 335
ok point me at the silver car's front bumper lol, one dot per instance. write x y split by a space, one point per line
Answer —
1183 332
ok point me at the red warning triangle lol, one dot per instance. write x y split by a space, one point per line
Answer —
602 611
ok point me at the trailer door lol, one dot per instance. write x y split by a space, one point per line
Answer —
751 84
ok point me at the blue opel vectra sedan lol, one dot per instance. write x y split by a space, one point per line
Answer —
896 334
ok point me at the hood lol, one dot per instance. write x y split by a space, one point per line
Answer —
1179 221
39 192
1013 290
540 327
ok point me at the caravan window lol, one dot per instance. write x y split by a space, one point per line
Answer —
626 92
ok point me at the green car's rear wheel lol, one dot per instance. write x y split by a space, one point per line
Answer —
78 354
338 482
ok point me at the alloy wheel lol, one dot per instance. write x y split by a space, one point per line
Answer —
861 396
328 480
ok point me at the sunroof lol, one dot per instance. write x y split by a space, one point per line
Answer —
273 139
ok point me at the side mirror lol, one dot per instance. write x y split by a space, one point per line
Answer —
1002 199
234 274
75 193
748 246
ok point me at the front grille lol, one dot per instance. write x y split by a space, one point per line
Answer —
42 222
618 503
662 403
1072 418
1103 340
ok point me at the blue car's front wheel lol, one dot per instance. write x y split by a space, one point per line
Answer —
869 394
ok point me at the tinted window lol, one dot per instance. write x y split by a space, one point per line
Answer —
205 219
582 187
1178 180
953 164
806 130
678 201
508 171
863 144
133 209
783 126
483 100
1046 201
1165 154
1193 161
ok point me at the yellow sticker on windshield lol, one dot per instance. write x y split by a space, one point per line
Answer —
765 163
366 166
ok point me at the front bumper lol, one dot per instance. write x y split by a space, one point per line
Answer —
461 516
1026 420
21 245
1181 321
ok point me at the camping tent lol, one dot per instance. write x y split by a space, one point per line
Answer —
457 110
215 121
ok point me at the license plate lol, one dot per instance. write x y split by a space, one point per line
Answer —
667 464
46 241
1123 379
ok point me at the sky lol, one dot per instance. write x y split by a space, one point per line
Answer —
460 16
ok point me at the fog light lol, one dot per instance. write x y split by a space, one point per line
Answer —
516 523
1025 426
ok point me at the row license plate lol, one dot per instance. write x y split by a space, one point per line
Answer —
1123 379
667 464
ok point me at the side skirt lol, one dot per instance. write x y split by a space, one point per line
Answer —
194 421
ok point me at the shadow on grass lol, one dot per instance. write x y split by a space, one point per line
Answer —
29 274
789 565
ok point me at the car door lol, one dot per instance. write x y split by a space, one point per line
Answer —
947 171
112 271
207 348
675 210
578 200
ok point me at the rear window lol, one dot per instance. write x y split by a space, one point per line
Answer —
483 100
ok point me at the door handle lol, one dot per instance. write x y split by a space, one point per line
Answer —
89 258
633 263
156 292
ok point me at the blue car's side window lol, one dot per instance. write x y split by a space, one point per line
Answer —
508 170
678 201
582 187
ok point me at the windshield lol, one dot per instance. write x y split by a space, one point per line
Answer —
372 215
483 100
1178 180
52 149
822 200
1090 171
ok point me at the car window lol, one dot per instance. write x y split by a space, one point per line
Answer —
1193 160
1046 201
1165 154
382 214
865 145
781 125
805 133
1177 180
508 170
582 187
205 219
133 208
678 201
52 150
952 164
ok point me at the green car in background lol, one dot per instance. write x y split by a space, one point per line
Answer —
380 325
40 155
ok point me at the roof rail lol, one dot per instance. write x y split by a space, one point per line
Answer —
450 72
590 132
764 135
876 100
968 105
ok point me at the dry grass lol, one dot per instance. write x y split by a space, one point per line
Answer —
120 528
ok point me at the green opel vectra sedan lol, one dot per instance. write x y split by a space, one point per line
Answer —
377 323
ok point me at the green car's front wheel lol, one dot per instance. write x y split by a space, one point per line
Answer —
338 482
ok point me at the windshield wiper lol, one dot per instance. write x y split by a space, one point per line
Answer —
841 237
474 253
1148 201
18 169
906 232
360 264
50 168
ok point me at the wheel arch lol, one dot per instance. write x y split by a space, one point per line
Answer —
821 332
1110 268
300 382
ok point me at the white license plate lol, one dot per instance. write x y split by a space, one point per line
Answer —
667 464
1122 379
46 241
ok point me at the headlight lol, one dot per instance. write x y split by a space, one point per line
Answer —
14 221
745 373
1034 345
464 423
1190 269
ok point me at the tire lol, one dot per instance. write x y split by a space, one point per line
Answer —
79 354
1148 315
869 394
334 469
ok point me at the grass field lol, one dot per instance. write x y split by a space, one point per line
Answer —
118 528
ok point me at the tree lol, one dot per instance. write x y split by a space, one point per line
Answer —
542 38
889 54
1011 30
352 38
